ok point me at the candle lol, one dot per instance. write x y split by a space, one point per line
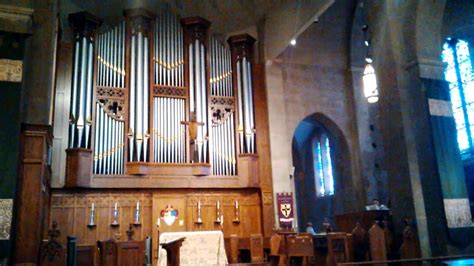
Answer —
236 204
92 209
199 204
138 205
158 222
218 204
115 208
222 219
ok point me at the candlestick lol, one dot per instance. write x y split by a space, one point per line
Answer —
199 218
218 213
137 214
237 215
115 215
92 216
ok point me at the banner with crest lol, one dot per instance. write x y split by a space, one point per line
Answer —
285 209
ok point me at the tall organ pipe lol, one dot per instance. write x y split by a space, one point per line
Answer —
84 25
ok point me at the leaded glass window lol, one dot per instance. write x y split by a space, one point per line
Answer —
458 74
323 170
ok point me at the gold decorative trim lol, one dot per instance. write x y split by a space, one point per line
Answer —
11 70
458 213
6 207
440 108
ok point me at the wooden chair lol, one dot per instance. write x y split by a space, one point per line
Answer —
301 247
338 248
86 255
232 248
410 248
360 244
107 252
378 248
277 253
256 248
52 252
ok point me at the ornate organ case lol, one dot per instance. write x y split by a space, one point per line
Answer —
161 112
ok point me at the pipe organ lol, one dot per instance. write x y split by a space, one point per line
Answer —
155 91
169 101
109 123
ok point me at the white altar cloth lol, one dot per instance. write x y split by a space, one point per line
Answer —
199 248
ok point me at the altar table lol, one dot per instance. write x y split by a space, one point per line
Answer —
199 248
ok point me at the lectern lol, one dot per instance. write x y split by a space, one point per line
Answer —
172 250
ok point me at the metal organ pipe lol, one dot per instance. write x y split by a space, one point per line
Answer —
222 133
109 124
139 98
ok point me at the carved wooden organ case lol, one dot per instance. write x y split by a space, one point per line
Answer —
155 93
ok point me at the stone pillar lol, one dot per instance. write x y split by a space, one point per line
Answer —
452 181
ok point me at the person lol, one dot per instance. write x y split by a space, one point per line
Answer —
376 206
309 228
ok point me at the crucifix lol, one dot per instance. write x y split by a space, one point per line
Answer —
193 125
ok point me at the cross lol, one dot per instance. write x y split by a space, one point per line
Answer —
285 209
130 233
193 126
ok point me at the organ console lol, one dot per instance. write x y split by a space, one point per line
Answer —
153 91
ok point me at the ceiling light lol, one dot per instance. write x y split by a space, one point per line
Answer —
293 42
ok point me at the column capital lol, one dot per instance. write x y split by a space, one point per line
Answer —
429 68
84 23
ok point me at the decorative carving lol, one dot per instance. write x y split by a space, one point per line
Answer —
195 29
223 100
108 92
267 198
52 250
169 91
109 246
6 206
114 108
220 114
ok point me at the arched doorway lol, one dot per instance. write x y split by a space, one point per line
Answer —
323 182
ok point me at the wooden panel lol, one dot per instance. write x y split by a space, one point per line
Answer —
130 253
86 255
263 147
30 221
71 209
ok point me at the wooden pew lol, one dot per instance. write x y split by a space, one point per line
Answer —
338 248
256 248
410 248
300 246
86 255
232 248
123 253
377 242
360 244
107 252
277 253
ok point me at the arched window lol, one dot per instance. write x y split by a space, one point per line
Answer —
323 171
458 74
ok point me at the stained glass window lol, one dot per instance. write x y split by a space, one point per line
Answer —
458 74
323 170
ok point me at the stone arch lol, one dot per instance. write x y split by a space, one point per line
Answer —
310 207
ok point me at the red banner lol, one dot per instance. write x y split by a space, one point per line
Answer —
285 209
